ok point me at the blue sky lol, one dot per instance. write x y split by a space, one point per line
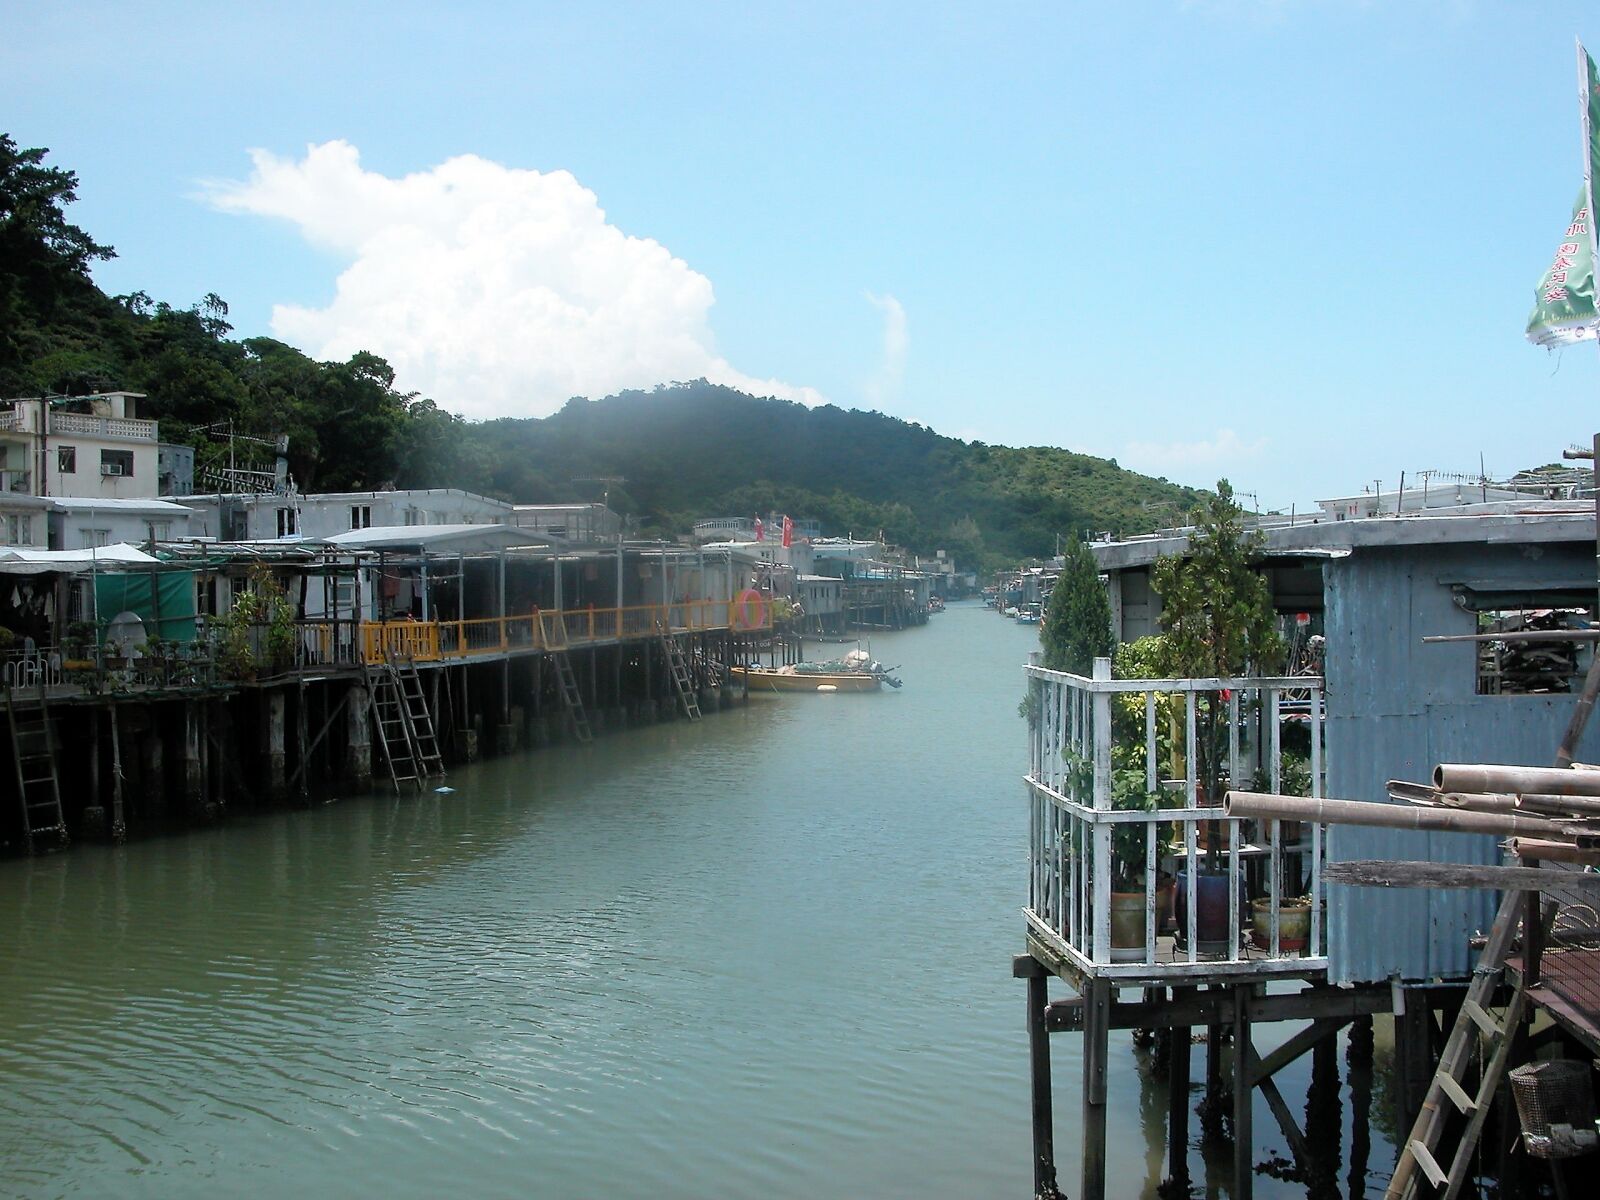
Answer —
1292 243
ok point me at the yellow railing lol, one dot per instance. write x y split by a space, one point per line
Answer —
438 641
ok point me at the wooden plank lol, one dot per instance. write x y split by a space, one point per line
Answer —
1383 873
1206 1008
1424 1159
1457 1094
1269 1065
1482 1019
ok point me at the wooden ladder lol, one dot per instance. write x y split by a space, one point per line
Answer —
571 697
394 726
33 753
678 667
425 752
1425 1145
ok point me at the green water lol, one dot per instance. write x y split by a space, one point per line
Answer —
763 955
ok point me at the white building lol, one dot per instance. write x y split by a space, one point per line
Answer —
317 515
86 446
82 524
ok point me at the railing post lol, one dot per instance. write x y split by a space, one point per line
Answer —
1101 854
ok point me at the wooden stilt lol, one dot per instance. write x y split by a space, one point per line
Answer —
1243 1098
1358 1070
1179 1053
1044 1148
1096 1047
119 824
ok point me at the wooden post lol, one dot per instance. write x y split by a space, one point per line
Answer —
302 739
1358 1070
1243 1097
1044 1147
1179 1053
1096 1047
194 779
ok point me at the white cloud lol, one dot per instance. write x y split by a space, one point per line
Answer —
1222 450
497 291
884 386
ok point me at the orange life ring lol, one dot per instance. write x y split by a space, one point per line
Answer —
749 611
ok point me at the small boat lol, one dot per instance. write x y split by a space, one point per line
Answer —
764 679
855 672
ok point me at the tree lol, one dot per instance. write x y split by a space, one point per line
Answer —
1219 622
42 254
1077 624
1216 607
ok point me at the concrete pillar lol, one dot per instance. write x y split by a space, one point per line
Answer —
358 739
153 774
274 759
194 767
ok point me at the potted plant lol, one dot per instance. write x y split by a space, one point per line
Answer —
1129 866
1294 923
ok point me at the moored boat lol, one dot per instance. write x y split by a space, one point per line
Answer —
763 679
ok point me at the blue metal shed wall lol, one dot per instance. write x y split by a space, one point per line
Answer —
1396 708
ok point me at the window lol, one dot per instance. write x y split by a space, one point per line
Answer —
19 530
360 516
1522 668
67 460
159 531
90 538
288 524
116 462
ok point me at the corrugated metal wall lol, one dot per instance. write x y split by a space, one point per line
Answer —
1397 707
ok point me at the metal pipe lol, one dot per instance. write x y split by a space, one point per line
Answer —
1548 781
1543 851
1393 816
1559 806
1480 801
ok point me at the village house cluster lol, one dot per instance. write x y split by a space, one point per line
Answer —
212 631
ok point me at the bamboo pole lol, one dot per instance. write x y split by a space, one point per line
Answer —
1545 851
1393 816
1552 781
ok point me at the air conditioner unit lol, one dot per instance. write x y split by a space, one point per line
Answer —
111 468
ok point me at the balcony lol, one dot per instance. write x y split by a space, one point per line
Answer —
120 429
1118 811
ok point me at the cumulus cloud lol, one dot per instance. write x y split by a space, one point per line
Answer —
495 290
1222 450
884 386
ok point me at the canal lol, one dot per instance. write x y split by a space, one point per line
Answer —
763 955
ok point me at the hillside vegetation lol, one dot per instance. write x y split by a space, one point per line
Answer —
684 450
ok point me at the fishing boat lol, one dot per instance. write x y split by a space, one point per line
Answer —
855 672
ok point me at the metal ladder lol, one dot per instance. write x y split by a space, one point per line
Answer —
33 753
571 697
678 667
1425 1143
394 726
425 753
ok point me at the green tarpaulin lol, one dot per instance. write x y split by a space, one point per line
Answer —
163 600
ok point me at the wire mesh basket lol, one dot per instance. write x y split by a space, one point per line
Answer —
1555 1101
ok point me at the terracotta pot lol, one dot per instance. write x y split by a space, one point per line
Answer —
1294 924
1127 926
1166 897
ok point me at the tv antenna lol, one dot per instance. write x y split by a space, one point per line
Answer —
607 480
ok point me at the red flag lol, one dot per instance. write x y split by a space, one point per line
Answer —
788 533
761 531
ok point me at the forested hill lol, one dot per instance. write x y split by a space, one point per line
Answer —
683 451
696 449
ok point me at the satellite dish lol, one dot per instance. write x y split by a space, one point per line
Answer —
125 635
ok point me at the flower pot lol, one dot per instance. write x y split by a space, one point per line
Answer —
1127 926
1212 908
1294 924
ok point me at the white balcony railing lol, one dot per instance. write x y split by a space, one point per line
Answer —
120 428
1135 872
